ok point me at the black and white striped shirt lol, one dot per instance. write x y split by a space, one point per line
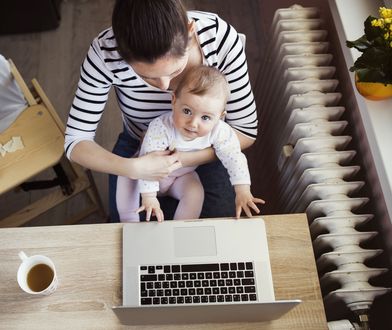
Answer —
140 102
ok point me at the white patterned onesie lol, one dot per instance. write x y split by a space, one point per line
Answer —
161 135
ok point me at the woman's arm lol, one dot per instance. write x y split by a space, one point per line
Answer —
204 156
154 166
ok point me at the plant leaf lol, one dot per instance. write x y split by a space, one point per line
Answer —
360 44
372 32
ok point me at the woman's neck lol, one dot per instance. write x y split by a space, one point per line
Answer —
195 58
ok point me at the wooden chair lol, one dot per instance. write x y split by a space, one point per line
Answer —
42 134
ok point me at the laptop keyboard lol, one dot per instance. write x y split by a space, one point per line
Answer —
197 283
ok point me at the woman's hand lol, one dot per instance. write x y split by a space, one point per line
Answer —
155 165
244 200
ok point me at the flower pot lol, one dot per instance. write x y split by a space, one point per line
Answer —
373 91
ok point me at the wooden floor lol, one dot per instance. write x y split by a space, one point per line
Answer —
54 58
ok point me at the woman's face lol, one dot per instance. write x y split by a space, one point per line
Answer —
160 73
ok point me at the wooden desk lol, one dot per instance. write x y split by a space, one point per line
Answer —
88 261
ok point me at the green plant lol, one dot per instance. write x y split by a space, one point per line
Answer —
375 62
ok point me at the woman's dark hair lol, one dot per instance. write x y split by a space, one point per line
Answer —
146 30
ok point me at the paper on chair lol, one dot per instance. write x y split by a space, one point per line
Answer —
12 145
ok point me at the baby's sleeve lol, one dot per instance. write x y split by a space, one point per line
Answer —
155 139
228 150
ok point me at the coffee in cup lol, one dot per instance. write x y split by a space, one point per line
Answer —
37 274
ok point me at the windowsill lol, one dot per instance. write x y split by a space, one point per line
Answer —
349 16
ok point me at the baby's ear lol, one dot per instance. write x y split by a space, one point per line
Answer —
173 100
223 114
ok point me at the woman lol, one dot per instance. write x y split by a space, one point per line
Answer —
150 45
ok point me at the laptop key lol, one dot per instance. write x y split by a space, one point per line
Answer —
204 299
252 297
236 297
176 268
172 300
188 300
196 299
164 300
220 298
249 273
200 268
180 300
146 301
212 298
249 265
156 301
151 269
244 297
250 289
248 281
148 278
224 266
228 298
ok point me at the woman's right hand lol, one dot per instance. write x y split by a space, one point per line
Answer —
156 165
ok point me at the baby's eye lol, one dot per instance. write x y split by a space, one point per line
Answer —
206 118
187 111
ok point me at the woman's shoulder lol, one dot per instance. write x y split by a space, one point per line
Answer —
204 19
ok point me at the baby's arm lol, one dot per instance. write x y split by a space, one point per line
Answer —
244 200
228 150
151 205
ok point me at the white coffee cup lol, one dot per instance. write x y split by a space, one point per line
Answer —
37 274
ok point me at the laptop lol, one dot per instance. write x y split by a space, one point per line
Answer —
198 271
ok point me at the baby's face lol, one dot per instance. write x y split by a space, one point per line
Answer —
195 116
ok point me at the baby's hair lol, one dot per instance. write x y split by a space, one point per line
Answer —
200 80
146 30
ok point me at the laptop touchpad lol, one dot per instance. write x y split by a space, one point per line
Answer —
194 241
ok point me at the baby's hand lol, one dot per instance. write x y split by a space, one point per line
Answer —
244 200
151 205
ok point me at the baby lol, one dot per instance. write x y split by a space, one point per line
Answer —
195 123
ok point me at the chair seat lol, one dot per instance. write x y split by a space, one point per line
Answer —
43 147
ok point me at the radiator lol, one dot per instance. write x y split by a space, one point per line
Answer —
309 146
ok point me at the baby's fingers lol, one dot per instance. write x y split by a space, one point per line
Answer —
259 200
148 213
140 209
247 211
254 207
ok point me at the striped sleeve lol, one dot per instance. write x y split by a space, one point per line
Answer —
231 60
90 98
